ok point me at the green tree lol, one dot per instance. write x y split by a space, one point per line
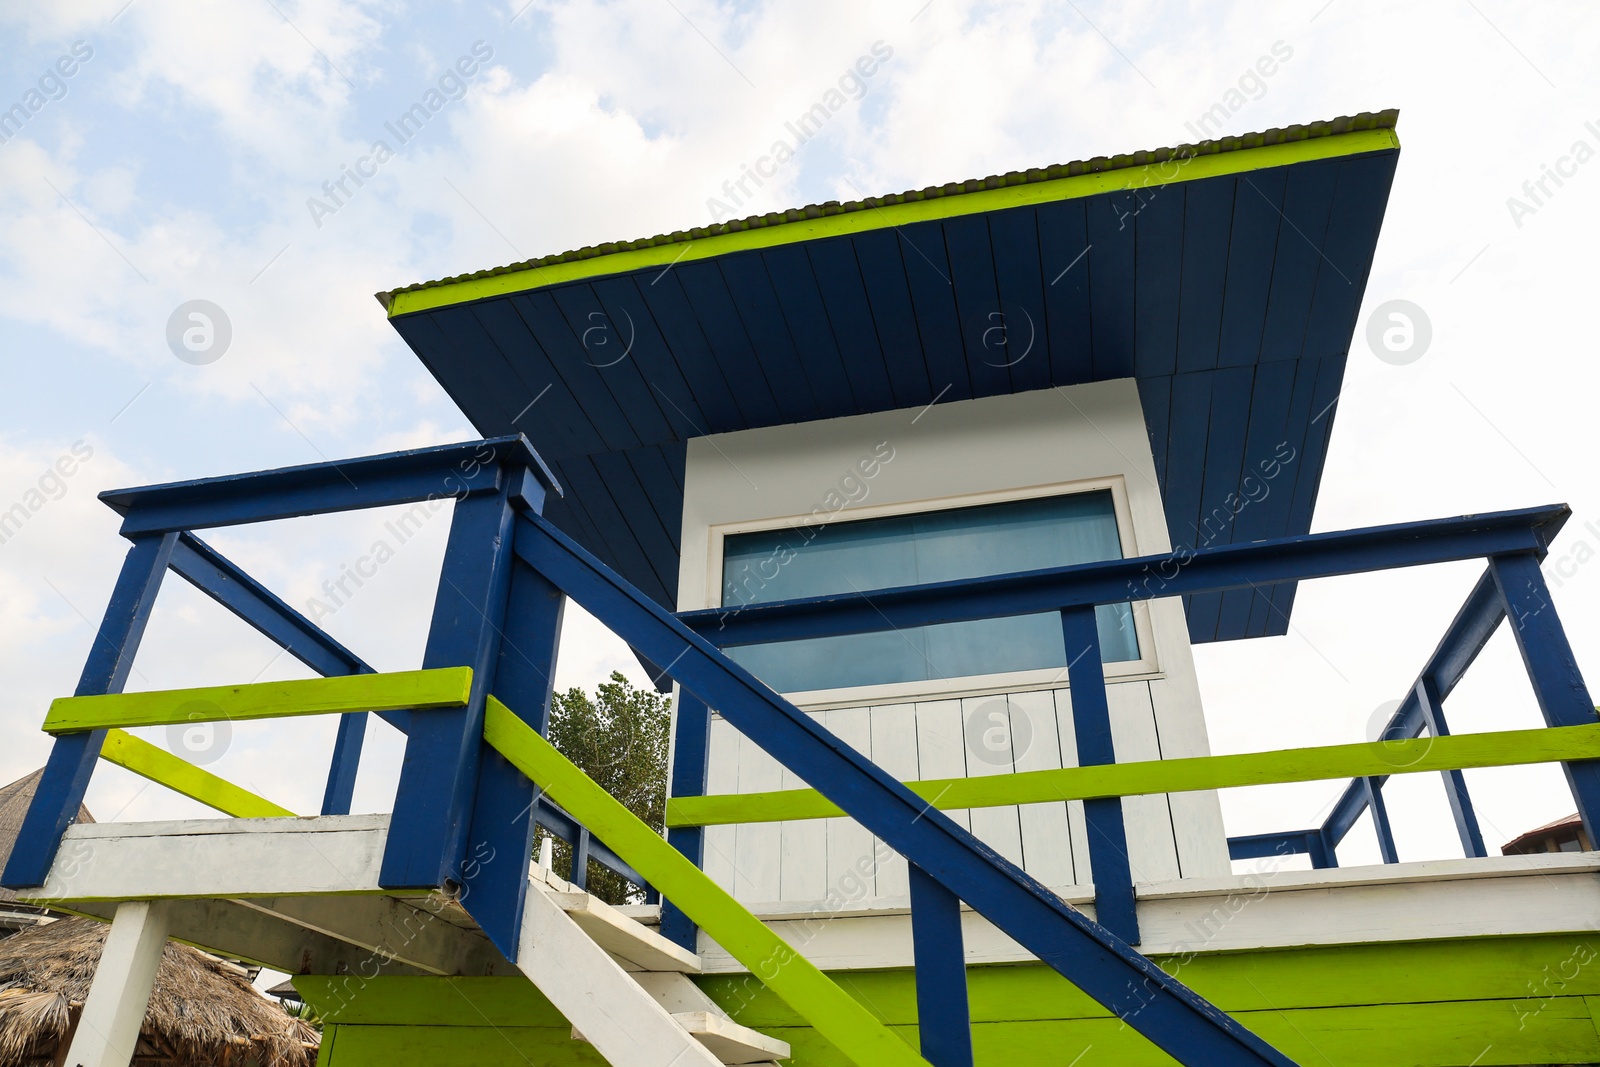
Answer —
619 738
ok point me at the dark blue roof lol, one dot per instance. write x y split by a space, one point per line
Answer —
1226 283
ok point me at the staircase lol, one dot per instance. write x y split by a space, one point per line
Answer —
624 987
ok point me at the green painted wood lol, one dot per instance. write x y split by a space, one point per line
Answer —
1527 1000
1456 752
445 687
829 1009
162 767
460 1046
897 215
427 1000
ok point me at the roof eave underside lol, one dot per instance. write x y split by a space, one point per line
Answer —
1230 296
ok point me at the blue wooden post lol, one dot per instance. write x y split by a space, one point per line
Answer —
347 744
579 875
943 1018
1557 683
426 846
1455 784
73 756
1380 819
1091 725
1321 850
494 876
691 755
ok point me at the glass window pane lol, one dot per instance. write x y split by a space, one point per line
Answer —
934 546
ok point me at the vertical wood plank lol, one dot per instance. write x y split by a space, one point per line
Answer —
894 748
1152 846
722 778
1046 835
1077 827
989 733
850 855
757 846
942 747
804 846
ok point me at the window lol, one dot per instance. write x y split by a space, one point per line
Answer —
933 546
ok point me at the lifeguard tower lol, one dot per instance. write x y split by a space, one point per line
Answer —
919 505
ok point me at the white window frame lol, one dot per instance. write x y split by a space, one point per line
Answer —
1147 666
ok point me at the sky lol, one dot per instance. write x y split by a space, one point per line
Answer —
167 153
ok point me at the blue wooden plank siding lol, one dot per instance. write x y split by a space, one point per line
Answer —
1231 299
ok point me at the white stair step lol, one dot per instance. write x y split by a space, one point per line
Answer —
636 946
729 1041
616 1014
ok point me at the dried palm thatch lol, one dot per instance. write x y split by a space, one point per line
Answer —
203 1011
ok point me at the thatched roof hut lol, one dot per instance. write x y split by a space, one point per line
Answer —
203 1013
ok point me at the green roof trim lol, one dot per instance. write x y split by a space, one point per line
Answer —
1347 136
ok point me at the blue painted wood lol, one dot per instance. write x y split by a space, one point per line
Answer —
1307 469
1158 266
723 404
984 332
476 374
494 877
1114 906
883 274
1252 243
339 792
1153 1002
1266 616
806 315
944 1020
1380 819
1552 669
1351 240
718 318
1287 843
601 355
838 278
1014 235
1297 260
578 875
540 401
318 488
1137 578
569 360
619 535
72 756
1207 223
426 845
922 250
689 407
659 472
1455 784
1219 487
691 755
1262 478
1065 258
1113 280
751 290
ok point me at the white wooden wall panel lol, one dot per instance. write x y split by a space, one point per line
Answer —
941 746
1152 852
805 849
757 847
850 846
722 776
1077 827
988 734
1046 833
894 748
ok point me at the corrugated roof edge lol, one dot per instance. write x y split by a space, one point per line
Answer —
1366 120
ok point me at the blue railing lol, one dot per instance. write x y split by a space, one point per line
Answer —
465 817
